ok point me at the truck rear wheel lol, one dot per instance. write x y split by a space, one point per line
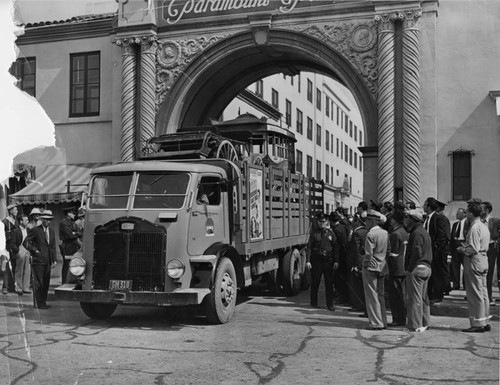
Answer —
98 310
291 272
221 302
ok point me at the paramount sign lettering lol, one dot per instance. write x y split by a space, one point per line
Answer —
177 10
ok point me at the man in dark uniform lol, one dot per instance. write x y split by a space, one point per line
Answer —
322 259
68 235
10 224
41 243
341 277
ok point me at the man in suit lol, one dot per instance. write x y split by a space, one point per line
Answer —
457 237
437 225
41 243
10 225
493 251
341 277
375 270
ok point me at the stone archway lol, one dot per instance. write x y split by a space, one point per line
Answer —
194 74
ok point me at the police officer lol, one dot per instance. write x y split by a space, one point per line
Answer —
322 259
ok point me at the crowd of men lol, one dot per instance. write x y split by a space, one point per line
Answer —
28 250
408 253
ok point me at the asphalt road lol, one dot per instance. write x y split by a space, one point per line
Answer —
270 340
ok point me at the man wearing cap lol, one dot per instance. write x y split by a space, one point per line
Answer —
41 243
475 270
438 228
418 262
68 235
322 259
398 240
355 265
493 249
375 270
341 277
10 224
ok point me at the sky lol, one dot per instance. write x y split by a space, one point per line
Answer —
25 125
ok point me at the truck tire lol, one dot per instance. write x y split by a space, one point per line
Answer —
220 303
291 272
98 310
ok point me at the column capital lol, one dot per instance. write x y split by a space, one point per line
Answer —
148 43
410 18
127 44
386 22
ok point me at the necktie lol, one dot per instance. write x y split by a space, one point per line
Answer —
426 224
459 229
47 234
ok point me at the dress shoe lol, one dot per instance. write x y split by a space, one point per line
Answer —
487 328
474 329
370 327
364 315
26 292
4 290
19 292
45 306
331 308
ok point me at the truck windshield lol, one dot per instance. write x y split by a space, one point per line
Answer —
110 191
161 190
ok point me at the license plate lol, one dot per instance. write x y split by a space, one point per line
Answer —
115 284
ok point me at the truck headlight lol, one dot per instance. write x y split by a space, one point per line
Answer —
77 266
175 268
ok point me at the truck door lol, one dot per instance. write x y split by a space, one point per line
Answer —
207 223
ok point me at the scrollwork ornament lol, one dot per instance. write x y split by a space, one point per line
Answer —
127 44
386 22
357 42
148 43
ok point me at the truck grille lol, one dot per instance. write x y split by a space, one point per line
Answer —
136 255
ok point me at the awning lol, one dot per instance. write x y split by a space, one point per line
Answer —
52 185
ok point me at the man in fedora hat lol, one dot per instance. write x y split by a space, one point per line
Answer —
375 269
10 225
41 243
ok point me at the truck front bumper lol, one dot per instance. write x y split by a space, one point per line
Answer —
182 297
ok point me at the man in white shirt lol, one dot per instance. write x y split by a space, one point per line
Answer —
458 232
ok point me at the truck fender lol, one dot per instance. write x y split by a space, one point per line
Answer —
223 250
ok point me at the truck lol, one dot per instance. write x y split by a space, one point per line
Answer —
205 211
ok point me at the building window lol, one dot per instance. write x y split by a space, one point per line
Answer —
259 88
318 170
309 171
291 80
309 128
355 160
25 72
327 106
341 120
338 115
309 90
327 174
346 123
341 150
298 165
318 134
346 153
360 138
299 88
318 99
355 133
350 129
85 84
288 113
360 164
275 98
350 156
327 140
338 173
462 175
300 129
338 144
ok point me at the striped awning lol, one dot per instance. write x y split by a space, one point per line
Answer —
58 183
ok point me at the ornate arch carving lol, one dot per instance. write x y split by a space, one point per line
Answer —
173 56
355 41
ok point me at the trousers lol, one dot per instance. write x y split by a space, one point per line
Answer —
373 285
418 309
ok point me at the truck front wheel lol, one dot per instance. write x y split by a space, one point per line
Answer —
220 303
98 310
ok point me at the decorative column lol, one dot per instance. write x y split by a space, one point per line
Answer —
386 113
411 105
148 92
128 97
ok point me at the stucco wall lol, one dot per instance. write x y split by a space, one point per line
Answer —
468 67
